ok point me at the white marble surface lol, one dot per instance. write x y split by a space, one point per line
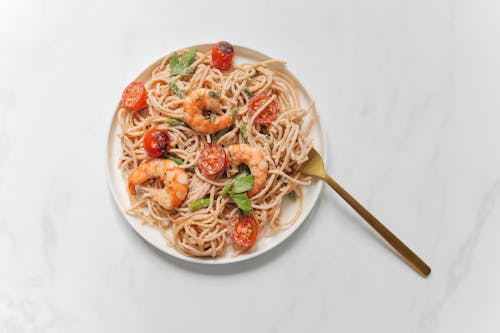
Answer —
408 91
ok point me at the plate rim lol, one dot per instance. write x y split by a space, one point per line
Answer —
174 252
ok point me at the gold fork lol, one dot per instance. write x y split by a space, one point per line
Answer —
315 167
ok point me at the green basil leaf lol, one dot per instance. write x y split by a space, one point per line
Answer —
242 201
174 61
198 204
246 91
292 195
213 94
229 185
176 89
234 111
243 130
241 174
221 133
175 122
226 188
188 58
182 66
242 184
177 160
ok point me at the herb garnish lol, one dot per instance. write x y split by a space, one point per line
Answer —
242 201
198 204
243 130
211 116
178 161
175 122
246 91
213 94
234 111
176 89
182 65
237 189
221 133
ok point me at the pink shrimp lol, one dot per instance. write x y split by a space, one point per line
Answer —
202 109
175 179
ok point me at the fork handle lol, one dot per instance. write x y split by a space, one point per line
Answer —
401 249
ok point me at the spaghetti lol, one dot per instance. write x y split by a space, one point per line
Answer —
284 143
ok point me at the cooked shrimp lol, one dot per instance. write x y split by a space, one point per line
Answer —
175 179
254 158
202 112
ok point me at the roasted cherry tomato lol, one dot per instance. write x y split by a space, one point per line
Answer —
268 115
243 231
134 96
212 160
156 142
222 55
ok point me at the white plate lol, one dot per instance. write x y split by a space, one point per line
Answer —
154 236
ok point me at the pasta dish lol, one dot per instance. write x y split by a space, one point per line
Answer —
211 150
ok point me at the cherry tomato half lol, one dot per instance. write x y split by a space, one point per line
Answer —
134 96
212 160
243 231
222 55
156 142
268 115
